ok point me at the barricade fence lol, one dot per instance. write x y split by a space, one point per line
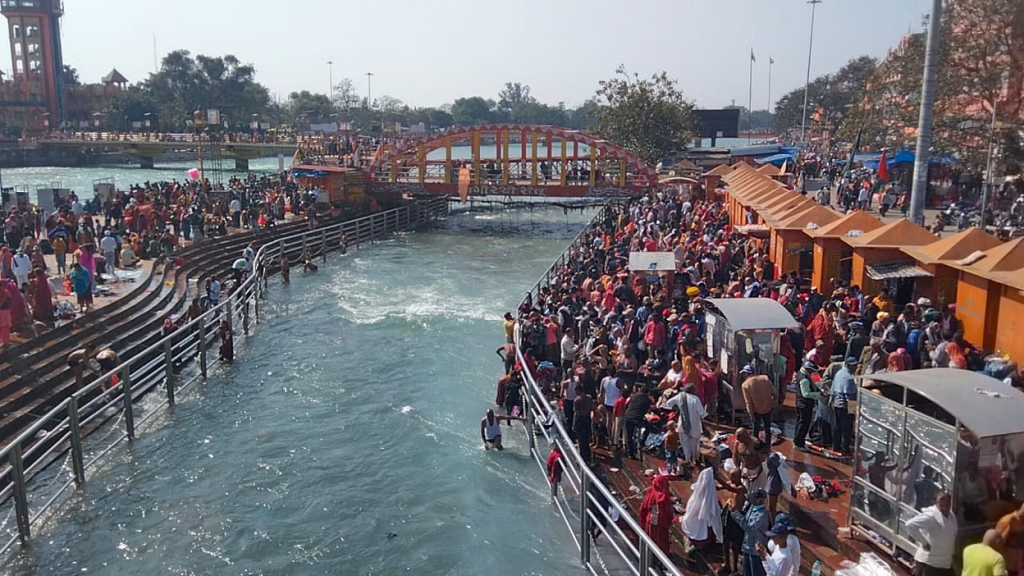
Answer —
580 501
56 452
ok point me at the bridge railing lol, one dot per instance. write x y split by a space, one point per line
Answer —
582 488
59 449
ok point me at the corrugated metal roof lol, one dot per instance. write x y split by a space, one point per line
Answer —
895 269
753 313
983 404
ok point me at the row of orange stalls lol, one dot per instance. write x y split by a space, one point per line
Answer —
981 274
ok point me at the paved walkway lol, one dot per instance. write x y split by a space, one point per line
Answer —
893 215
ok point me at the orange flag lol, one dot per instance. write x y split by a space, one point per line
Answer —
463 184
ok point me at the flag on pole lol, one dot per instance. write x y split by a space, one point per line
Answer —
752 58
853 153
883 168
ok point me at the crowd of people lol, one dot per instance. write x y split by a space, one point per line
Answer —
90 239
623 357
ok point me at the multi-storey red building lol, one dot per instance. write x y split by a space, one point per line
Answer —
35 94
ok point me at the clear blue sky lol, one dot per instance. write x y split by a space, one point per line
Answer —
428 52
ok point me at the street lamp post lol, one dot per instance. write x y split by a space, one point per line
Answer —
330 77
989 166
369 93
807 85
924 125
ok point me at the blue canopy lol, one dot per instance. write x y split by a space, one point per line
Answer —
308 173
903 157
776 159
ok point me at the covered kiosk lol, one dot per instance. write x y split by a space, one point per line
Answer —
743 331
924 431
649 268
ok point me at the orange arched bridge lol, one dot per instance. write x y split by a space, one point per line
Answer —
511 160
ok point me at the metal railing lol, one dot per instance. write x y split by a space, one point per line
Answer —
576 501
94 420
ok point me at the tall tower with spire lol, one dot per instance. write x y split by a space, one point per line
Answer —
36 56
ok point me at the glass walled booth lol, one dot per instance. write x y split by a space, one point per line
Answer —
920 432
743 331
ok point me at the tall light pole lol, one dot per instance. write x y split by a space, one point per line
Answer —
750 99
771 62
330 77
807 86
924 125
369 91
991 150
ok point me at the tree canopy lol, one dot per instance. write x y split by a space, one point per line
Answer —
980 48
830 98
649 117
184 84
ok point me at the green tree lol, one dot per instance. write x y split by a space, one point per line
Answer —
514 102
306 107
830 98
132 105
71 76
185 84
346 96
581 117
438 119
473 110
649 117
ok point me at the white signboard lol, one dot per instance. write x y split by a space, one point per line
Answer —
652 261
327 128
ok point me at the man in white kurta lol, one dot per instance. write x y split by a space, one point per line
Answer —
691 414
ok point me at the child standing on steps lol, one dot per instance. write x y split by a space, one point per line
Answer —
672 451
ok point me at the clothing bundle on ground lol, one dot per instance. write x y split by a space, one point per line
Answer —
870 565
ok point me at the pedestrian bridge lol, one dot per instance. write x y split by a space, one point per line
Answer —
511 160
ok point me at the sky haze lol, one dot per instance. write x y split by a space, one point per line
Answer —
429 53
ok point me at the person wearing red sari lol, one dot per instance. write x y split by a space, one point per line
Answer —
821 328
656 512
42 297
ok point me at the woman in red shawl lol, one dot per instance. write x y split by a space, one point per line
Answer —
42 297
656 512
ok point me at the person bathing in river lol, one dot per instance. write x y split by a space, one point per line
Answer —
227 341
286 269
309 266
490 429
77 360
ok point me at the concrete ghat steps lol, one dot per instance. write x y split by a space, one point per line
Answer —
44 379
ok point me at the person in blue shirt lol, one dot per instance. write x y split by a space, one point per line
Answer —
914 337
844 389
755 524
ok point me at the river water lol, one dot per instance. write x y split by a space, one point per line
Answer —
345 439
81 179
